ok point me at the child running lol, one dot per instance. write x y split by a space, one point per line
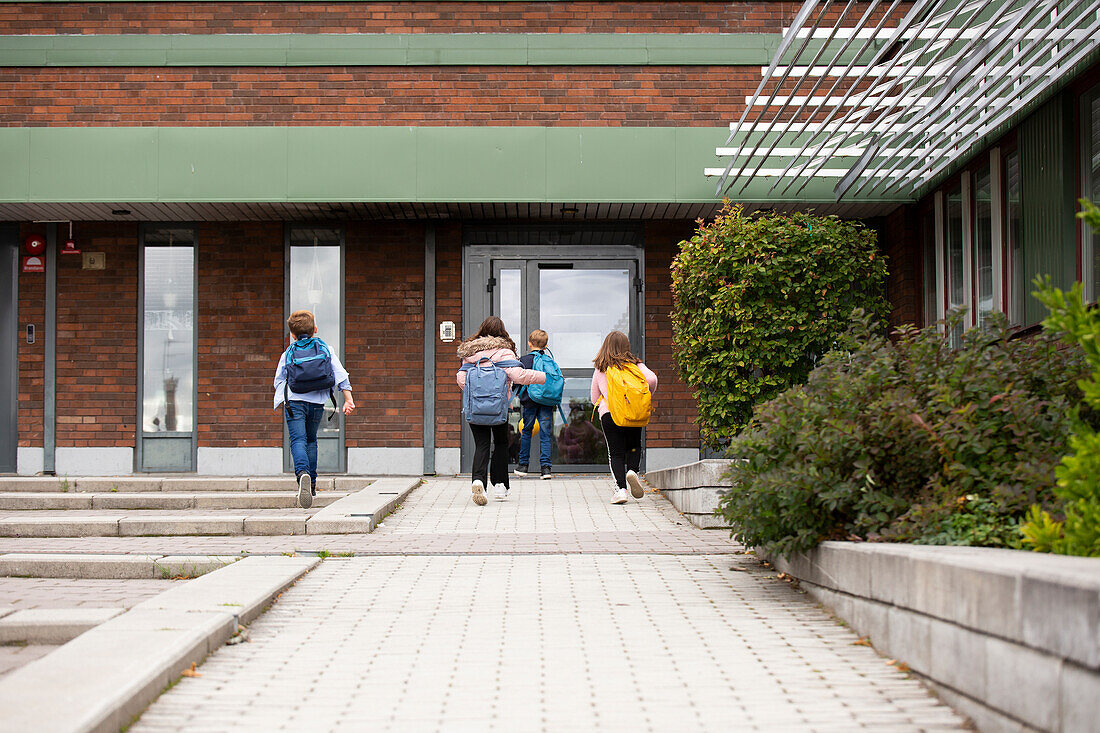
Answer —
624 444
533 412
491 441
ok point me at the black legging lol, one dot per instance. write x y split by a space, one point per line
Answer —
497 437
624 448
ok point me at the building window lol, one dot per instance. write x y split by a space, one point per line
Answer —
1090 168
168 349
1014 254
983 244
931 271
956 290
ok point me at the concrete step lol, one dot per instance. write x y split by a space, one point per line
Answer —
162 500
352 513
179 484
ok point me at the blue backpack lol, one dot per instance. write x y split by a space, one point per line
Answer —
486 397
550 393
309 368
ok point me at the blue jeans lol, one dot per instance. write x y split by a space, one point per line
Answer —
545 417
302 421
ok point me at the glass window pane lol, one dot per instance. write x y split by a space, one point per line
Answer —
315 285
580 441
955 295
983 242
928 233
578 308
1014 250
169 335
511 306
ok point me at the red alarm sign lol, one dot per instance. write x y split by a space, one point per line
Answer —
34 244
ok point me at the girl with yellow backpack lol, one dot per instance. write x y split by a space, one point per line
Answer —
621 388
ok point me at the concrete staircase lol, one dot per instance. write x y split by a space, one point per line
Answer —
136 506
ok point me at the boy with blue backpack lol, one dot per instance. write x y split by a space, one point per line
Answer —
304 380
538 402
489 368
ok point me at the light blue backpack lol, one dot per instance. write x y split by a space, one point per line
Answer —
486 397
550 393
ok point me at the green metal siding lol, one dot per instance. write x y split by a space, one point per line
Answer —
1047 174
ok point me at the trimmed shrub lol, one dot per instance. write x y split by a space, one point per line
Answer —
758 299
908 440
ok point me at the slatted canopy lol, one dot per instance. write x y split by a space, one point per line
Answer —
885 98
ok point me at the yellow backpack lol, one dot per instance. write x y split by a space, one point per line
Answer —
628 397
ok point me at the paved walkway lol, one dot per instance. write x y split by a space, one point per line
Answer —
552 611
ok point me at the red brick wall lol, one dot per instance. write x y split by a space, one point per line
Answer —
448 307
239 332
638 96
901 243
32 309
384 331
367 17
97 339
674 421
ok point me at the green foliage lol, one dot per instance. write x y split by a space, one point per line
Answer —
1078 487
907 440
758 299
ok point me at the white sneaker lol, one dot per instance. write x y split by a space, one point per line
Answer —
479 493
305 493
500 492
619 497
635 485
519 471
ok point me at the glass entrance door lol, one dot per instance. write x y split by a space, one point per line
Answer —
577 302
315 282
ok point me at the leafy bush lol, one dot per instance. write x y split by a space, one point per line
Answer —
908 440
758 299
1078 487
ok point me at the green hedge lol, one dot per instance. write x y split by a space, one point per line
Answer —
758 299
908 440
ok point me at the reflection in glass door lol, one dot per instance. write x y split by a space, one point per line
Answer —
315 282
577 303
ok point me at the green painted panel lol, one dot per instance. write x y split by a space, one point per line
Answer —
349 164
99 164
396 49
481 163
223 164
1047 196
612 164
15 158
369 163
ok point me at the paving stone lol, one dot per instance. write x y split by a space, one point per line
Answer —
5 610
274 525
52 625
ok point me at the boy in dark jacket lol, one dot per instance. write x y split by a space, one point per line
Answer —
533 412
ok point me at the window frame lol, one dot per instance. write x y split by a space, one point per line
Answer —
141 436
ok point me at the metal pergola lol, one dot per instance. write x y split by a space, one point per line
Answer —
884 97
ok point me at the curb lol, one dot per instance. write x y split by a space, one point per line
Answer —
110 567
362 511
139 653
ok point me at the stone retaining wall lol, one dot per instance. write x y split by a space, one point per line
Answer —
693 489
1008 637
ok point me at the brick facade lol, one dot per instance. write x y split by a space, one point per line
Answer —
673 424
367 17
634 96
448 307
32 357
904 283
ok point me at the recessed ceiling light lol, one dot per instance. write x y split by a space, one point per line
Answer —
568 209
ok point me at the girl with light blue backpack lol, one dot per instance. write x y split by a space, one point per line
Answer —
489 368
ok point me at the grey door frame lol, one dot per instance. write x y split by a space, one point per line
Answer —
140 435
341 449
9 347
478 290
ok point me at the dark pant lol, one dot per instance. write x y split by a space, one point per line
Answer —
490 452
624 448
544 416
302 421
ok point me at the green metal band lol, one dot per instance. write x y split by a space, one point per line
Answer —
386 164
391 49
